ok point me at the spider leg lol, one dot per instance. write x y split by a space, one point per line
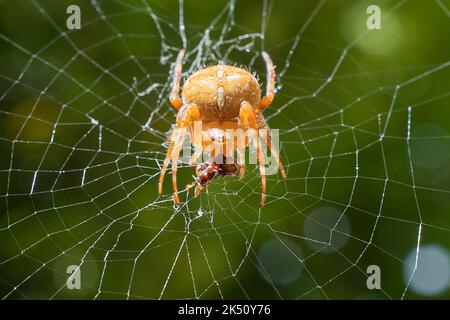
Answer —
185 116
247 120
241 155
196 133
197 154
240 145
262 123
270 87
262 169
165 165
175 94
175 157
276 156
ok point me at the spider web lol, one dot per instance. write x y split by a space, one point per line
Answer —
85 117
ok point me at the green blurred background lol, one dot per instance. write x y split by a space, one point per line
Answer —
364 120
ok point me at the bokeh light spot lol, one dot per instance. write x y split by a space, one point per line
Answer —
429 153
432 276
281 261
326 226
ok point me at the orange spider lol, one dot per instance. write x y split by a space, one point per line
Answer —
221 97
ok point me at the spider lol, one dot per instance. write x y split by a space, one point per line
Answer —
220 97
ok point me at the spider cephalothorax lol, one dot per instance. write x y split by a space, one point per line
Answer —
221 98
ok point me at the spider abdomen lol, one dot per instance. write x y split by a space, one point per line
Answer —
219 90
